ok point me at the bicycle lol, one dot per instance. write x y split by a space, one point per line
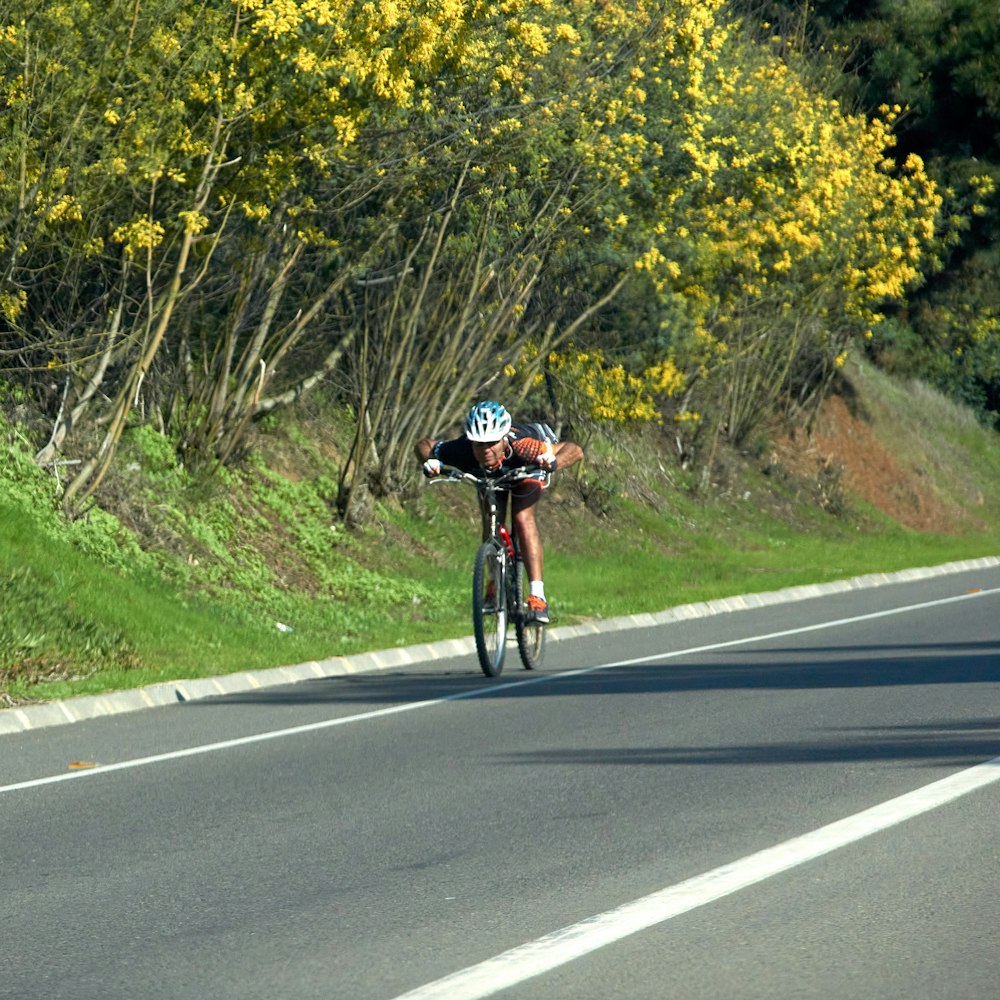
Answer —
500 578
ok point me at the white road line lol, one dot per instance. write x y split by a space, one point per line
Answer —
562 946
275 734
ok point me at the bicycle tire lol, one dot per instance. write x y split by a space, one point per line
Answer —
530 634
489 613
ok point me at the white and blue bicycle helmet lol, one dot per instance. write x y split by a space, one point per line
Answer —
487 422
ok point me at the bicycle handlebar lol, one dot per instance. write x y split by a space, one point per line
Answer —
501 481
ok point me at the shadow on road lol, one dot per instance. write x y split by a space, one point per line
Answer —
748 669
940 744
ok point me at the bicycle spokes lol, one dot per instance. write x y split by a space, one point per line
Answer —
489 607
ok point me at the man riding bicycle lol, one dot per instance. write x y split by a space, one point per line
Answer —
492 441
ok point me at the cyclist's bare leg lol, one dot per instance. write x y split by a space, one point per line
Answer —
529 538
530 541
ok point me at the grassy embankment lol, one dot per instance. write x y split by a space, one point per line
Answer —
85 608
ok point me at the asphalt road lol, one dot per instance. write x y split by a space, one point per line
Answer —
796 801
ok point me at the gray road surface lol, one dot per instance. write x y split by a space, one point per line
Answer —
363 837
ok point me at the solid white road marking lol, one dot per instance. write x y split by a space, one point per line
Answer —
275 734
562 946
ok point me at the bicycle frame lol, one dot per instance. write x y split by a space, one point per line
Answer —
488 487
489 509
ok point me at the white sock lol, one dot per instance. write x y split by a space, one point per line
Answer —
538 589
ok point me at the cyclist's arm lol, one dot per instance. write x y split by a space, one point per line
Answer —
567 453
545 455
456 453
424 448
528 451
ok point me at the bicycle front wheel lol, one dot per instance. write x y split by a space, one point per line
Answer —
530 634
489 609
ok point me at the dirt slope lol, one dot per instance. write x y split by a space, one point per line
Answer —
848 447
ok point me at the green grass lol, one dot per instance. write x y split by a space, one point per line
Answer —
124 632
91 627
84 608
635 575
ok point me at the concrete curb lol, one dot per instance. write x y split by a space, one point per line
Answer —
29 717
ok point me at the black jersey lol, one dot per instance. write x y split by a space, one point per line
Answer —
521 449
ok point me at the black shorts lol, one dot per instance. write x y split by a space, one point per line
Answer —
526 494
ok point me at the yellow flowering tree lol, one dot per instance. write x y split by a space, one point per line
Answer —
520 248
162 167
205 210
780 224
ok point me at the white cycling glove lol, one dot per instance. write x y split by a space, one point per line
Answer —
546 458
432 467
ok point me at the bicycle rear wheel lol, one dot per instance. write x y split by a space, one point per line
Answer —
489 609
530 634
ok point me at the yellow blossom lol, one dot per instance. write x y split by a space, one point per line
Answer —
194 222
140 234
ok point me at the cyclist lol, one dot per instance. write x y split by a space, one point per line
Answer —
492 441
